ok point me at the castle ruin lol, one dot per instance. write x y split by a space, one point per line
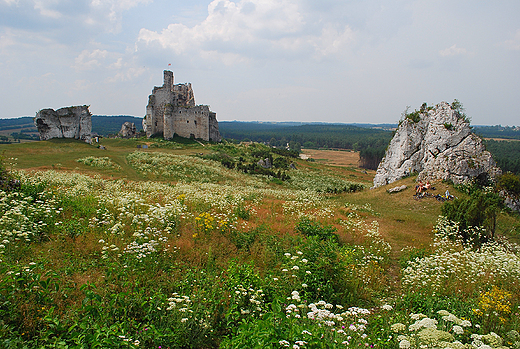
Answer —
171 110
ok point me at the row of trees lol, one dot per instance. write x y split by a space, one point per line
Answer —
506 132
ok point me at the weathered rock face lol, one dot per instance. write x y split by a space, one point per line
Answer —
510 201
440 145
265 163
128 130
69 122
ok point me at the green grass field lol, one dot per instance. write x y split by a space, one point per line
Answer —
189 245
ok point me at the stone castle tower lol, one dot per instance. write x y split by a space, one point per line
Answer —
171 110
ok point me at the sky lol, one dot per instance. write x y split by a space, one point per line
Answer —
338 61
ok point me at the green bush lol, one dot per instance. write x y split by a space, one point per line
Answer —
309 228
510 183
280 163
479 210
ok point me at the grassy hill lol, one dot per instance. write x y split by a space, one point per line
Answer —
192 245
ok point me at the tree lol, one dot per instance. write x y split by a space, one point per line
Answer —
295 146
509 183
479 210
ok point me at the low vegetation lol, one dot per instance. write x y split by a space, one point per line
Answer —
175 246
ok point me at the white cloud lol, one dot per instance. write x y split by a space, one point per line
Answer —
82 85
117 67
452 51
109 13
6 39
513 44
127 72
11 2
238 31
45 10
88 60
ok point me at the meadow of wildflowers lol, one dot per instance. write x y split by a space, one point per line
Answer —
198 255
102 162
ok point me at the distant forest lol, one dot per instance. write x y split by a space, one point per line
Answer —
506 154
371 140
108 125
505 132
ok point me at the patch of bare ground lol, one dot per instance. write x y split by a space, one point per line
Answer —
345 158
346 161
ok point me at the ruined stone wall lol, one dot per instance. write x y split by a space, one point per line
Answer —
192 122
153 122
160 97
68 122
171 110
184 95
169 128
214 133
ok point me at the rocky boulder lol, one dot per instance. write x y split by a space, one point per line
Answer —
511 201
69 122
128 130
265 163
438 144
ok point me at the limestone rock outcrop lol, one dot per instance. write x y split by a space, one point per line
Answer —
68 122
438 144
128 130
511 201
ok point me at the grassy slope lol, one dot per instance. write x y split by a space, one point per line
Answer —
403 221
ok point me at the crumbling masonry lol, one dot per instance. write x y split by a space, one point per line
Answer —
171 110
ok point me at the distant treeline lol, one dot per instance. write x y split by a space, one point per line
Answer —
16 123
370 142
498 131
506 154
105 125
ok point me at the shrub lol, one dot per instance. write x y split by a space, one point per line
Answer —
7 181
308 228
280 163
415 117
510 183
479 210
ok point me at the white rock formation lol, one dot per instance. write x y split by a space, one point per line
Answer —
68 122
439 146
128 130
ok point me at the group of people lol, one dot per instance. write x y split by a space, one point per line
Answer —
422 187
